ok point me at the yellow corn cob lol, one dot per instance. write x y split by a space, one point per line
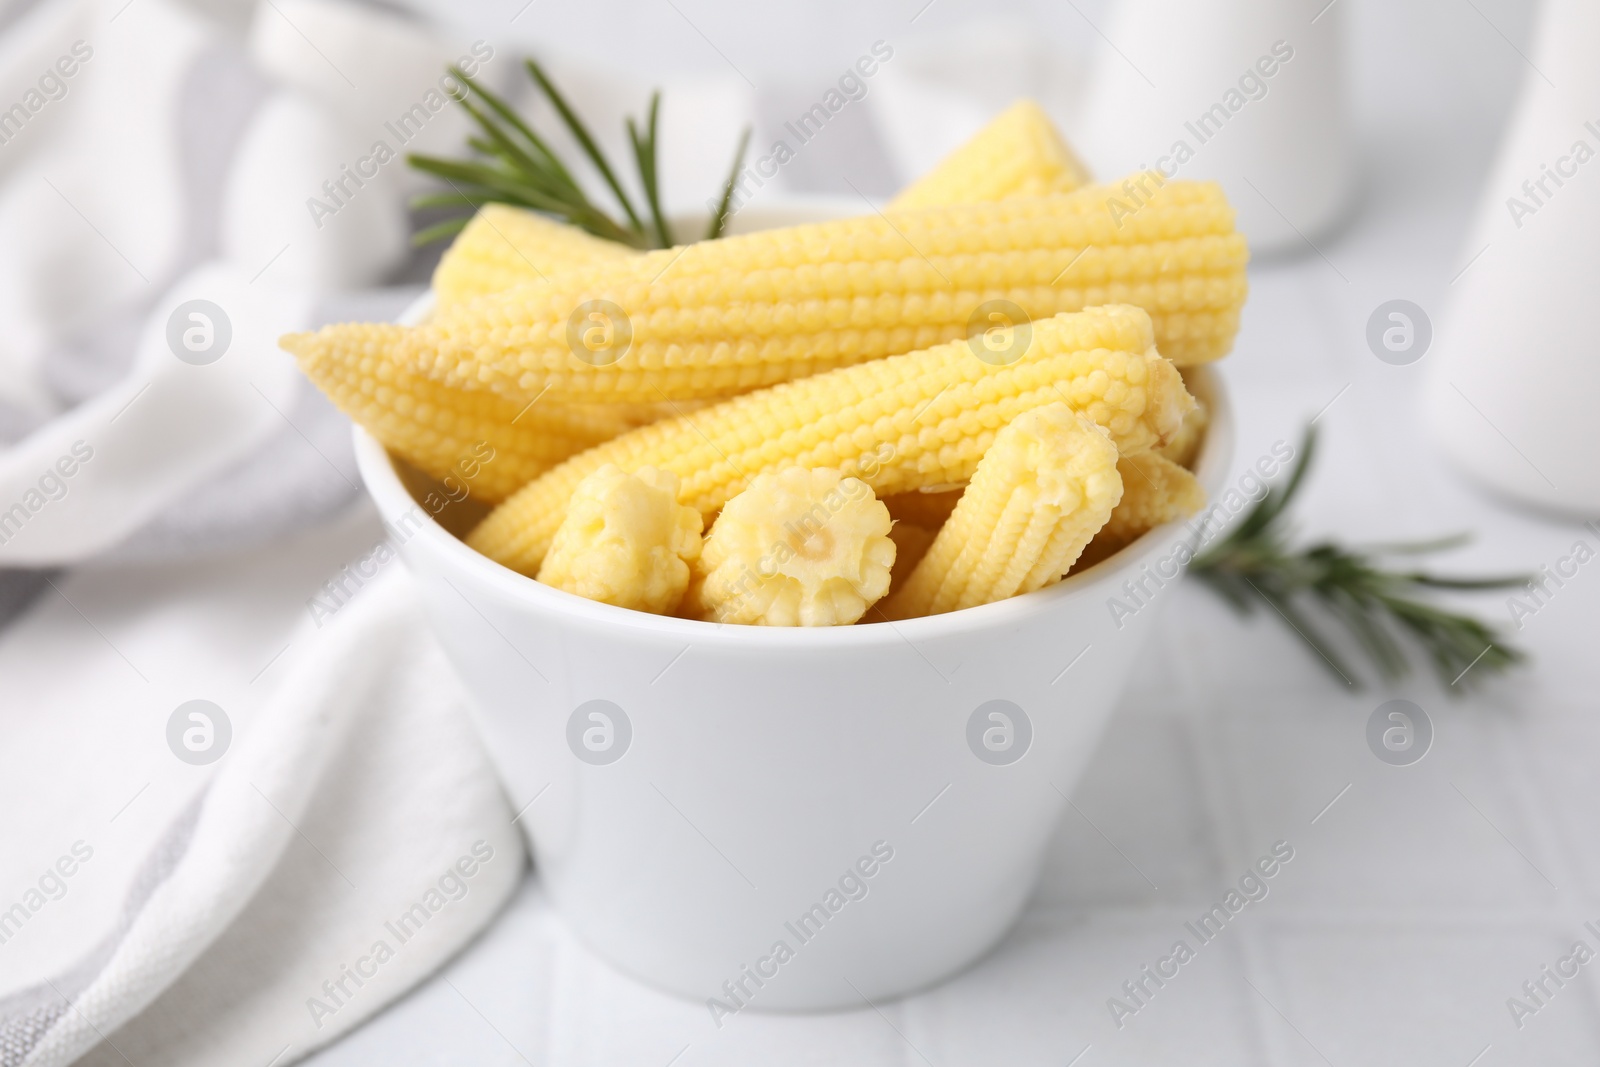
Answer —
929 509
625 541
798 548
1045 486
898 424
505 246
642 414
1019 153
723 317
490 444
1155 491
911 543
1183 447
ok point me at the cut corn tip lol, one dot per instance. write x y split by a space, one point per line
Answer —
799 547
625 541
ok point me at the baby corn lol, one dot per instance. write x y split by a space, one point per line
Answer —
505 246
898 424
798 548
1039 494
491 444
625 541
723 317
1155 491
1019 153
1186 443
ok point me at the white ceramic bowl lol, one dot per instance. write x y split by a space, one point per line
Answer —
734 780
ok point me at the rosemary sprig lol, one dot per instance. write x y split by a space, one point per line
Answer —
1384 612
512 164
644 157
719 219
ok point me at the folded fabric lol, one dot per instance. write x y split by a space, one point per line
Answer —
153 437
89 478
352 838
214 162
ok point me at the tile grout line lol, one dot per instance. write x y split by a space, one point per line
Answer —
1256 962
1534 810
1218 801
1322 917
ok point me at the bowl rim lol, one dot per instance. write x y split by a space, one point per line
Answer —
387 490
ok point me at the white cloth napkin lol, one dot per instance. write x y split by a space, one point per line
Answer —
350 834
350 839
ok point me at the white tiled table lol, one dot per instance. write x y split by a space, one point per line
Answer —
1414 906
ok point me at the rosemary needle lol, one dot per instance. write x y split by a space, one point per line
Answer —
511 163
1385 612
